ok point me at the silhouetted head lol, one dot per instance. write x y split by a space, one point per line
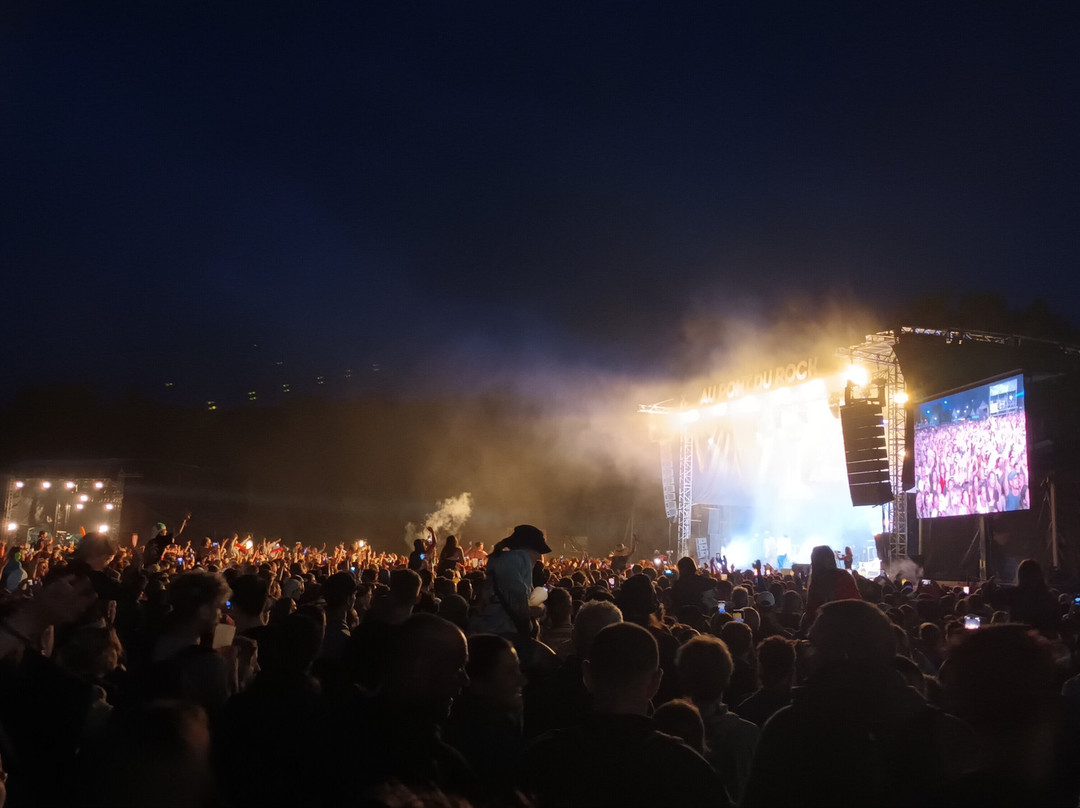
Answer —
686 566
624 659
705 668
426 668
1029 575
853 632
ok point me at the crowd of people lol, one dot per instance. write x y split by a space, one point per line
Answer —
253 673
973 466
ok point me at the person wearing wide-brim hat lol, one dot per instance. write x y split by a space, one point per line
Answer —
620 555
509 584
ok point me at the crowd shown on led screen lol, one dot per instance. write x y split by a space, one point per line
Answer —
247 672
972 466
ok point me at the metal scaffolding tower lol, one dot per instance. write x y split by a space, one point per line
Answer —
686 493
684 482
877 352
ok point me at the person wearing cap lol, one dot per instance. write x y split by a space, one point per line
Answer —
1017 491
509 584
770 626
155 548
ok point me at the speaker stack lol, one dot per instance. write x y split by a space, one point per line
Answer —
867 455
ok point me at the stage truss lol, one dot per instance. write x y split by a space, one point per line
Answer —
684 484
876 353
61 504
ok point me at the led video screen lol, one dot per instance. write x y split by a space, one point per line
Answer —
971 451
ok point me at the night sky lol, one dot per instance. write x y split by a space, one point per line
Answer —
431 194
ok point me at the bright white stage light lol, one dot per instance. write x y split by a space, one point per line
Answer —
19 483
12 527
811 390
857 374
69 485
99 485
746 404
901 397
79 506
46 485
738 554
102 528
109 506
689 416
84 497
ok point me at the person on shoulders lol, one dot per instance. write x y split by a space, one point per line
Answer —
692 588
509 584
451 557
620 555
827 583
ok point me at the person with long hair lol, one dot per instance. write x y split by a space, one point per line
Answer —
450 557
827 583
1030 601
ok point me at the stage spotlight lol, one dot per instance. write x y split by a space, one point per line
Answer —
84 497
78 506
19 483
99 485
12 527
69 485
102 528
46 485
690 416
857 374
109 506
900 397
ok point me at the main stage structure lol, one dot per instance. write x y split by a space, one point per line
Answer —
879 369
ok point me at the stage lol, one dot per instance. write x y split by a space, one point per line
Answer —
754 467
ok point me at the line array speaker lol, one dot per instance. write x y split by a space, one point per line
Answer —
866 453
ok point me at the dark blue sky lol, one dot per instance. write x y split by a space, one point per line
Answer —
476 186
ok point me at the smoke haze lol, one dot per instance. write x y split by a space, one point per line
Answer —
448 518
530 431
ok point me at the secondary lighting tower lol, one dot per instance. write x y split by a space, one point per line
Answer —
684 482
